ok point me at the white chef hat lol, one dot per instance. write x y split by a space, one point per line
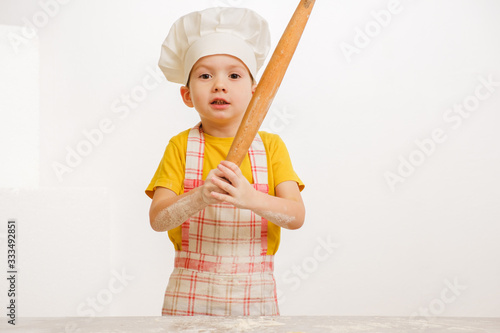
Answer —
238 32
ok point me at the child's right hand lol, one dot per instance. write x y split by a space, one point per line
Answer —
209 187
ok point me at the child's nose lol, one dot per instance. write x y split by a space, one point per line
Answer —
219 86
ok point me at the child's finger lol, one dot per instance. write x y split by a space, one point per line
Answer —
223 185
222 197
218 173
229 174
233 167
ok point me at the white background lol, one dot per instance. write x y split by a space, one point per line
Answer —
426 245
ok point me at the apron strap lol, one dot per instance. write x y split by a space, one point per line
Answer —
194 154
258 161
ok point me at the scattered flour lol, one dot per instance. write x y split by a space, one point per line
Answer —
178 212
280 219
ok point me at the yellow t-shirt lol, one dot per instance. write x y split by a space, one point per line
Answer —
170 172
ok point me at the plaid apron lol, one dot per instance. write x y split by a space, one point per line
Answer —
223 269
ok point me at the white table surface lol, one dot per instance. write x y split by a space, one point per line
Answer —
251 324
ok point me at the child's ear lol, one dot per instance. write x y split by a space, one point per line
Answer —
186 96
254 86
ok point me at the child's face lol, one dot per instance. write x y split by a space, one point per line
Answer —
220 88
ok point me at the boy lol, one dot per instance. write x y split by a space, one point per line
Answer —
224 221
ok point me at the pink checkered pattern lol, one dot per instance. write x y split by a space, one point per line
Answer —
222 268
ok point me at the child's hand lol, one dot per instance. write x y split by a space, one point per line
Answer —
239 191
210 187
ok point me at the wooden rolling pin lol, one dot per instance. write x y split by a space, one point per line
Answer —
269 83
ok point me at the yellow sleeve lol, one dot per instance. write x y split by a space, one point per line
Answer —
279 162
170 172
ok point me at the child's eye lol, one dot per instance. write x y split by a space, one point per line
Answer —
205 76
234 76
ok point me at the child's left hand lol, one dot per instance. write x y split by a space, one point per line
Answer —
240 192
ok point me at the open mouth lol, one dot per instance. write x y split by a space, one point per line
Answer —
219 102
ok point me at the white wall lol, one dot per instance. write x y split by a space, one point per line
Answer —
428 242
